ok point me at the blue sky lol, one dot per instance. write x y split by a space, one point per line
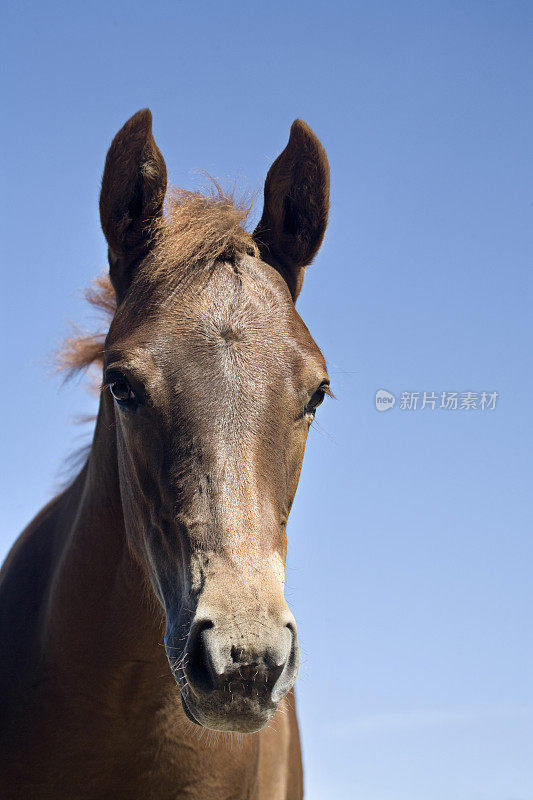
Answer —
410 554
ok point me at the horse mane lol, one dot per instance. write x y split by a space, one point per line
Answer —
84 348
196 229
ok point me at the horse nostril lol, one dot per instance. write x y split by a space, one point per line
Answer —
198 666
289 670
291 627
255 667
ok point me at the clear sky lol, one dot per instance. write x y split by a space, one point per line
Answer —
410 555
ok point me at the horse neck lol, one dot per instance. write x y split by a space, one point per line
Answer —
100 613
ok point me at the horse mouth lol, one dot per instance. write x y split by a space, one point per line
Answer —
229 687
242 712
188 712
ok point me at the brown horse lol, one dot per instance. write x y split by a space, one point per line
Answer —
169 546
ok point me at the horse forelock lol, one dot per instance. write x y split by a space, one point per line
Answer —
196 229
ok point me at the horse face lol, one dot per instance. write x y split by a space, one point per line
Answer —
214 381
214 394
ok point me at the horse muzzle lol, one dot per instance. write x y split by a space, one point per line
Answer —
233 675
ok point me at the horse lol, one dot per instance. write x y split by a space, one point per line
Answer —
147 647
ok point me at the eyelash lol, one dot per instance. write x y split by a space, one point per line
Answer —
129 400
317 399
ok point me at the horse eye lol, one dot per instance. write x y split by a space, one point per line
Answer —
122 391
315 401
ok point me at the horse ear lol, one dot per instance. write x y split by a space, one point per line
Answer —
295 212
131 200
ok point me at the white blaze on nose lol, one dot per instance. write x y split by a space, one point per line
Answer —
277 565
245 518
